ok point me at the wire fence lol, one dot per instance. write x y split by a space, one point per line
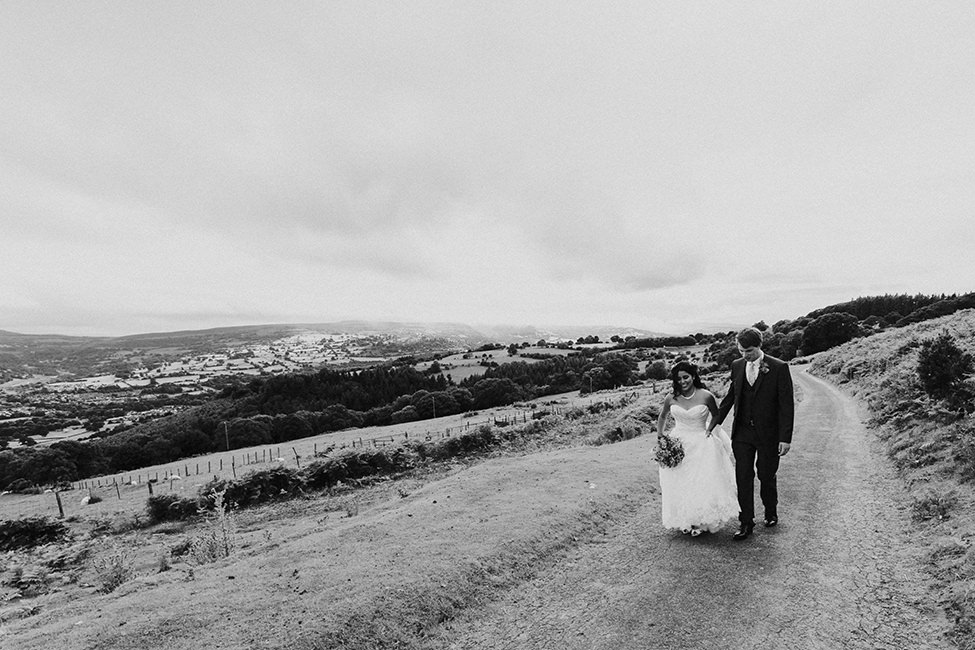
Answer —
274 454
174 474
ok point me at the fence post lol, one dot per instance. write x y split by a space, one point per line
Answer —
297 458
149 486
57 496
118 492
233 465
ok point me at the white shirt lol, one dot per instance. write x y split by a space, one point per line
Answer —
751 369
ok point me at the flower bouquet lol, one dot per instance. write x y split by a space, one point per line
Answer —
668 452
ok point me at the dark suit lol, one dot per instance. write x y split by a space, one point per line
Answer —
764 416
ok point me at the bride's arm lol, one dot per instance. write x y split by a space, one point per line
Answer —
662 418
712 405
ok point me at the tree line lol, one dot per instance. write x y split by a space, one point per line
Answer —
298 405
291 406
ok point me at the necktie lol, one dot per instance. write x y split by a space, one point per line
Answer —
751 372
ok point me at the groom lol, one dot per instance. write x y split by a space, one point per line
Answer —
761 393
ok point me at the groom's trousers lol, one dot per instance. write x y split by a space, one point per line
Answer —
767 457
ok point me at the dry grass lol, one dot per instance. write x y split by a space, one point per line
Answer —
379 566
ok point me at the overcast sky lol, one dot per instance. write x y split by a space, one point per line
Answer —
672 166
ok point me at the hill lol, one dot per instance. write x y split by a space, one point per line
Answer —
22 355
541 526
930 440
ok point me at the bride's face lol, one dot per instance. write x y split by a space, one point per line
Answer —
685 381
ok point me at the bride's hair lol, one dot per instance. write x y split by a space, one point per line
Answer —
689 368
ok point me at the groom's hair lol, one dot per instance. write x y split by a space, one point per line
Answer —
750 338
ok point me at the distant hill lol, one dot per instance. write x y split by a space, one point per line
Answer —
53 354
531 333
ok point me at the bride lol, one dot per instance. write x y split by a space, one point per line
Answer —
699 494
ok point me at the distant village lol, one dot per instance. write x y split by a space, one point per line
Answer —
290 354
50 396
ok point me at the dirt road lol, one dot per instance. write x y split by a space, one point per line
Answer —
838 572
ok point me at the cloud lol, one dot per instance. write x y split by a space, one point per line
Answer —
650 163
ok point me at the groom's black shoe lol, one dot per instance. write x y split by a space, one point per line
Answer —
744 531
771 521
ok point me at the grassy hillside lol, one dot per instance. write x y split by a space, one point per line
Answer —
363 564
931 443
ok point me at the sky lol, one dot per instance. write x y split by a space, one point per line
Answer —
671 166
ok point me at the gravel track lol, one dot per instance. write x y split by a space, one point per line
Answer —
839 571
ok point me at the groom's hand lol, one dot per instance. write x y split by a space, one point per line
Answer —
784 448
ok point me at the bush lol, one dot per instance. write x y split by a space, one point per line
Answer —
942 366
352 465
33 531
114 570
219 537
934 506
258 487
617 434
23 486
170 507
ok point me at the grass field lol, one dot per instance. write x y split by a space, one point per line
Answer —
126 492
320 571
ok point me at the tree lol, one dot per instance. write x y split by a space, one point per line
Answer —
942 365
495 392
406 414
657 370
828 331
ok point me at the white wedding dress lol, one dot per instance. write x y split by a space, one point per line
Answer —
700 492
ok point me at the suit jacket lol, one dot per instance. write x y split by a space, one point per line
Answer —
773 406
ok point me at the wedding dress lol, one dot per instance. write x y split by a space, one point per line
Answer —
700 492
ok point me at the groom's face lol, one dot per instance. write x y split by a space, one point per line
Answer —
750 354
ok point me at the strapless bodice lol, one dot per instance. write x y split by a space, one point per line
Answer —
695 417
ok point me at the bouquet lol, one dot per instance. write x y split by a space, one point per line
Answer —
668 452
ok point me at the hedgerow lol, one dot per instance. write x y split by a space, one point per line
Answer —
351 465
32 531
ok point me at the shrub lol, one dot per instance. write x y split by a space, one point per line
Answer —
219 537
170 507
942 365
617 434
30 583
32 531
934 505
259 486
574 413
23 486
114 570
361 463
